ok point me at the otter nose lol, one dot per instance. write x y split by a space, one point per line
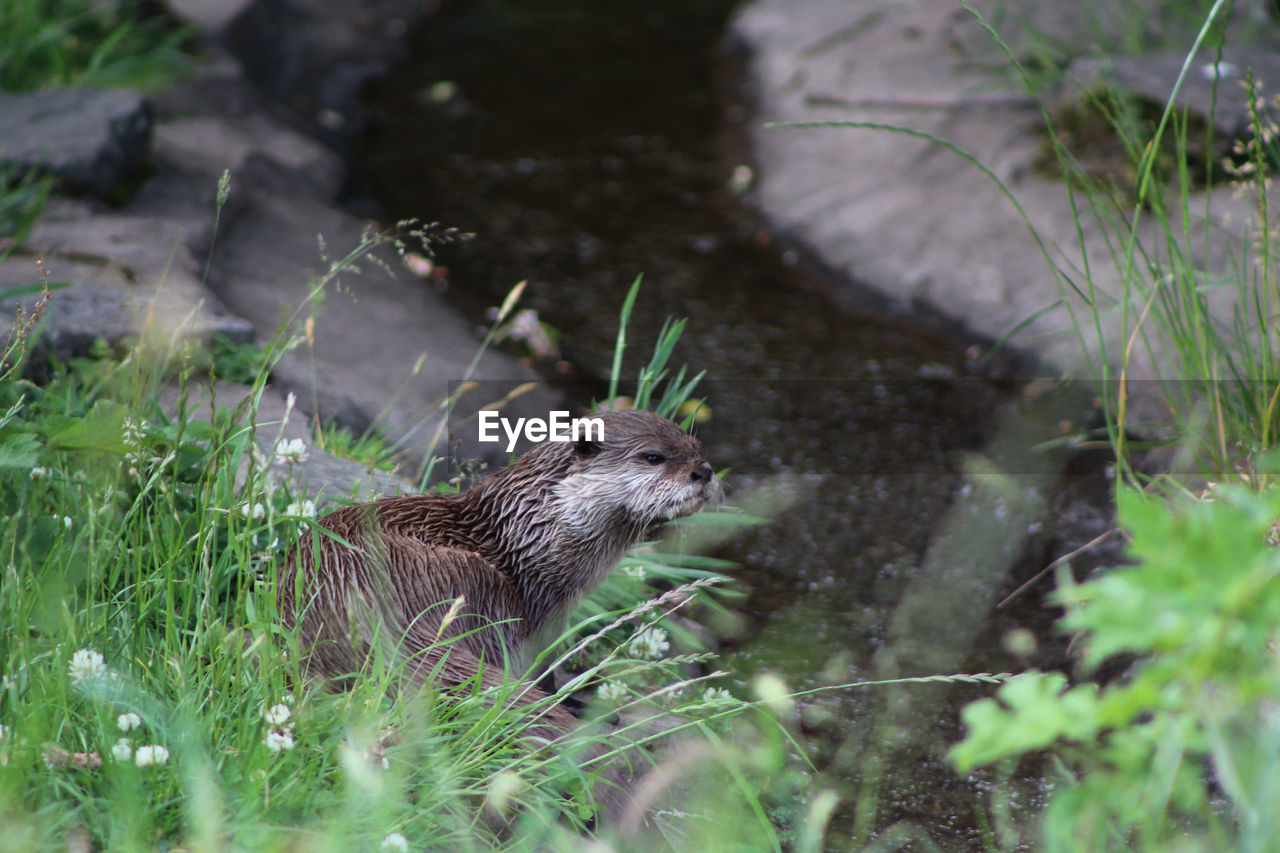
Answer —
702 474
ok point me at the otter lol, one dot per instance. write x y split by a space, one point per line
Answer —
519 548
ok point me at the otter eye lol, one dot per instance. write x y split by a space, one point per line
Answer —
653 458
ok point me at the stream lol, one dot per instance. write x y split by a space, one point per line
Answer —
586 143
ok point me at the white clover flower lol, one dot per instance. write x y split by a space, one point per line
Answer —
122 750
612 692
716 694
254 511
154 753
128 722
279 741
277 715
86 665
38 473
291 451
5 731
650 643
306 509
394 843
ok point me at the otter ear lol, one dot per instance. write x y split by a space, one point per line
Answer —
585 447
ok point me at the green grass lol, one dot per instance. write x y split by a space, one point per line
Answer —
47 43
369 449
1206 328
1044 48
233 361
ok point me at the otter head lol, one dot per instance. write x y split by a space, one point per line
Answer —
644 471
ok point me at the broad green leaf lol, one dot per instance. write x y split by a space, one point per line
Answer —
19 450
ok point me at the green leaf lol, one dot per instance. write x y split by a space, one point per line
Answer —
101 428
19 450
19 290
1032 712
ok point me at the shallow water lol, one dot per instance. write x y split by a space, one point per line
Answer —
586 143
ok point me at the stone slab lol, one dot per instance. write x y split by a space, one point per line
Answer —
91 139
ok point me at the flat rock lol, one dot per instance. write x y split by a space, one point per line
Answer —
150 247
89 138
212 144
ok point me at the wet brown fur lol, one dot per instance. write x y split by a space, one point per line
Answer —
521 547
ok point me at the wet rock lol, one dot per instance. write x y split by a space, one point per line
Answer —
208 145
91 139
148 248
75 318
